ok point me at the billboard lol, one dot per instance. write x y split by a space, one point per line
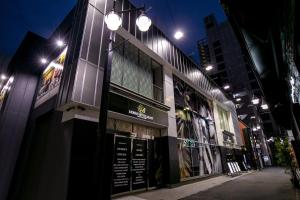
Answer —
50 79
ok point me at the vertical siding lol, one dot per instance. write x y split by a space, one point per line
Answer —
83 73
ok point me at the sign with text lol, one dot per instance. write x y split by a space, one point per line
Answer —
121 166
126 106
139 167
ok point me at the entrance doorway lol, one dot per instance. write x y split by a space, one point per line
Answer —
136 165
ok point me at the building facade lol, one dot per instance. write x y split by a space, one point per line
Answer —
166 122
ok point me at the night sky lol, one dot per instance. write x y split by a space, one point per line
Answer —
42 17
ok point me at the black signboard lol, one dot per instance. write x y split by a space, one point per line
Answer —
123 105
121 167
139 165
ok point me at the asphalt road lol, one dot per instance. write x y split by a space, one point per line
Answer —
268 184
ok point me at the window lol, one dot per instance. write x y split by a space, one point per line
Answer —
248 67
251 76
216 44
254 85
221 66
222 74
218 50
219 58
223 118
136 71
265 117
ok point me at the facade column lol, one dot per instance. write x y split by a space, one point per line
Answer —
169 136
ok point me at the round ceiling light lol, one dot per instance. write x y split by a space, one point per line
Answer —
178 35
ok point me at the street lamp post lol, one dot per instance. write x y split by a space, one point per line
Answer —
104 148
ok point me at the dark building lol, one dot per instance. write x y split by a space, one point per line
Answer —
4 60
269 33
162 119
232 71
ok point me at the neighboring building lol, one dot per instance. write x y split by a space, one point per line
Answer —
166 121
270 35
231 66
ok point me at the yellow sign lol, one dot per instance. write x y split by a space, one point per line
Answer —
141 109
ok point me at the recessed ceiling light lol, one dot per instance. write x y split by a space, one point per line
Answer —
60 43
44 60
3 77
178 35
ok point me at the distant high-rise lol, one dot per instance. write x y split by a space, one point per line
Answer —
231 67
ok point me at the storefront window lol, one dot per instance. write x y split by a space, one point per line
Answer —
224 118
197 145
136 71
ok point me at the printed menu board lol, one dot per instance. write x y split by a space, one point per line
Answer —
121 166
139 170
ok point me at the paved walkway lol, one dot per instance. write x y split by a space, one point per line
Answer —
267 184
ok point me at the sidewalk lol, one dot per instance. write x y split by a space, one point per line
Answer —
181 191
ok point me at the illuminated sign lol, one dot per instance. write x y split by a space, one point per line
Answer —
51 77
189 143
140 112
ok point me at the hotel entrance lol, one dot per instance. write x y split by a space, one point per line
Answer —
136 159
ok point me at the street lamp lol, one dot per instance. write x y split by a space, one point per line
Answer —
113 20
226 87
208 67
143 22
104 152
264 106
255 101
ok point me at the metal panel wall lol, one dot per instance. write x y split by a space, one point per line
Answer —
83 73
